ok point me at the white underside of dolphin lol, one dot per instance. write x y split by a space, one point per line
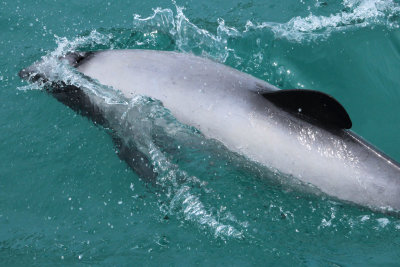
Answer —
225 104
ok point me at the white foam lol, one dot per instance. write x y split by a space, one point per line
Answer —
383 222
360 14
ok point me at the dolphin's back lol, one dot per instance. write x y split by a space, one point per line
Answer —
162 69
193 88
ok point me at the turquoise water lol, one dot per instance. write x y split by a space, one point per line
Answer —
67 199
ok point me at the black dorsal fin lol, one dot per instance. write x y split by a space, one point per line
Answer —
313 105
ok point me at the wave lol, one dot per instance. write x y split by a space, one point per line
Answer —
355 14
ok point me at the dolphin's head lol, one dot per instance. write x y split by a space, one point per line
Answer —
31 73
40 70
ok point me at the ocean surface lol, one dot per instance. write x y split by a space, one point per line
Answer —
66 198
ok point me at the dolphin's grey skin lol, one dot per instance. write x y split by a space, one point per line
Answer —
228 105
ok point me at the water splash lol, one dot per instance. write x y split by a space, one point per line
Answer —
187 36
182 191
355 14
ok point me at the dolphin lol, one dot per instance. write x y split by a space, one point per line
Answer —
301 133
